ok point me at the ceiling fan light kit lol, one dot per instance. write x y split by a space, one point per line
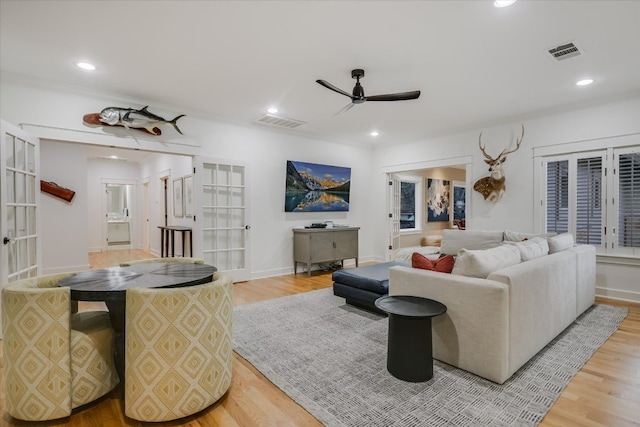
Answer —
358 97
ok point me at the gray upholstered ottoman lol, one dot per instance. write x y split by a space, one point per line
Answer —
362 286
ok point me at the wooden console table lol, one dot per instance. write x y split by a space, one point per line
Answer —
318 245
168 239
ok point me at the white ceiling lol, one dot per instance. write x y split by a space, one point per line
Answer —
476 65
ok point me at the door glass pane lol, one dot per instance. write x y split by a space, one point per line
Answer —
224 196
209 218
31 189
208 196
10 151
20 154
237 218
237 177
11 222
224 261
31 158
224 218
209 240
224 238
208 174
31 243
11 187
21 221
31 230
222 176
237 258
21 188
23 257
237 239
237 196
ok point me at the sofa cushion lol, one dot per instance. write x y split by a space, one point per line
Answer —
560 242
443 264
532 248
454 240
481 263
516 236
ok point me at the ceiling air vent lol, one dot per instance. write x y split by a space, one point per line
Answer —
565 51
277 121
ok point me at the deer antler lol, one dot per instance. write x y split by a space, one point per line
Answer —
482 147
518 142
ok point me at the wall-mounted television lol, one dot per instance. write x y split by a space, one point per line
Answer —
313 187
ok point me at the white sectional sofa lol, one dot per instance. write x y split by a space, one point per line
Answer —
495 324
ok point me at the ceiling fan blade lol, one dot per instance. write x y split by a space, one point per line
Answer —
403 96
333 88
345 108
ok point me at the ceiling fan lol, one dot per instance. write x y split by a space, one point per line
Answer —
358 97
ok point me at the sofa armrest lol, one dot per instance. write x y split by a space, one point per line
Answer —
473 334
542 303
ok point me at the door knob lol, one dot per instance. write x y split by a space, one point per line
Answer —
247 227
7 240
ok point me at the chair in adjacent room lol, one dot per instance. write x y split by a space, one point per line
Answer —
54 360
178 351
169 259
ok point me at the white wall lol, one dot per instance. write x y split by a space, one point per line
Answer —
63 226
58 115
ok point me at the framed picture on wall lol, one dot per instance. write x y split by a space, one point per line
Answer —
188 195
178 208
438 200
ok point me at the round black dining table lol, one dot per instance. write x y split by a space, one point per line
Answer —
110 285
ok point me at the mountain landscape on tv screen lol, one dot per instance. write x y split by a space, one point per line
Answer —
313 187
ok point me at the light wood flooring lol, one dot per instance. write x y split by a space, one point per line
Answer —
606 391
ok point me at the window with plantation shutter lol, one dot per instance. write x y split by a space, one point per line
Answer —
629 199
589 201
557 196
595 195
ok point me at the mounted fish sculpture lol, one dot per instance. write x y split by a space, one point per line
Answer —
131 118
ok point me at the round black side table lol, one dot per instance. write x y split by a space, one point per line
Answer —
409 351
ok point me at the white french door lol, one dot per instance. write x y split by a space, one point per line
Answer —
394 196
19 195
221 213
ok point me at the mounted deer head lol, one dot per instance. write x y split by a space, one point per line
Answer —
492 187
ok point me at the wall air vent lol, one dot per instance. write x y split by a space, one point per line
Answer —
565 51
278 121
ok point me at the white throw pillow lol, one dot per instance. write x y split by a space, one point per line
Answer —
560 242
454 240
516 236
532 248
481 263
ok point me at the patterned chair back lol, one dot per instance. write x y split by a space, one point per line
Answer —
178 351
54 361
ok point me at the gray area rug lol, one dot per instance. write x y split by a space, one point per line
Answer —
331 359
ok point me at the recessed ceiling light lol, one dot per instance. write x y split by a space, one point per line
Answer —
272 110
86 66
374 133
584 82
503 3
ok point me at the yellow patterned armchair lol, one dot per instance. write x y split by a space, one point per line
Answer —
55 360
178 352
168 259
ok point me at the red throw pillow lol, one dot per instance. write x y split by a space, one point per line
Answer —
443 264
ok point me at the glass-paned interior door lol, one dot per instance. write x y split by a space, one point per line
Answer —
19 161
394 198
223 217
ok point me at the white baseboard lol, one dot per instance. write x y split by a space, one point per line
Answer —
618 294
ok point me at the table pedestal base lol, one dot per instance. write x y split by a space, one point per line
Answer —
409 351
